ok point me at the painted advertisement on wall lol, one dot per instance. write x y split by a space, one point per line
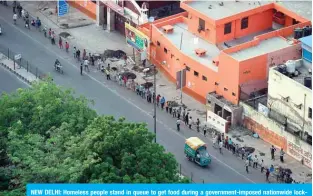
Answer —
136 38
299 153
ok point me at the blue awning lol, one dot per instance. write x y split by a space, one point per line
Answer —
307 40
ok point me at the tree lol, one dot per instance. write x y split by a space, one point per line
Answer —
50 136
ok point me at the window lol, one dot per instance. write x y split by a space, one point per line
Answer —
196 73
165 50
227 28
204 78
216 83
225 89
310 113
201 24
158 43
234 94
244 23
187 68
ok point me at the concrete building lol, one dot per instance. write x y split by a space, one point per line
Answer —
226 48
307 48
113 14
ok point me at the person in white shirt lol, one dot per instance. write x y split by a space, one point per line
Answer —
220 146
178 124
23 13
86 64
14 18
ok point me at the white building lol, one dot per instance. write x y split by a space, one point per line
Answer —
290 95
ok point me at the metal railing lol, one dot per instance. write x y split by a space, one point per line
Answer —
21 62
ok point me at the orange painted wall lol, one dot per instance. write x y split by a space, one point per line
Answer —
87 7
228 77
256 22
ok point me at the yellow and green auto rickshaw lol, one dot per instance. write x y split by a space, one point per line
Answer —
195 150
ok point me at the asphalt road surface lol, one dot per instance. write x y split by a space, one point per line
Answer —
9 82
110 99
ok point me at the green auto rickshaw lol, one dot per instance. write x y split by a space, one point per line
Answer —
195 150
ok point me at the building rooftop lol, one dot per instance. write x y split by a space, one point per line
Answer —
216 11
264 47
307 40
303 68
190 42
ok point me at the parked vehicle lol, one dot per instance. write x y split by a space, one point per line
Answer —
196 151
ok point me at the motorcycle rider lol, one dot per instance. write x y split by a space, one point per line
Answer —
57 64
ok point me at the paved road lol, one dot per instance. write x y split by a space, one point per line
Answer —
110 99
9 82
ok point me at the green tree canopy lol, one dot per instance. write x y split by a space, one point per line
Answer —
47 135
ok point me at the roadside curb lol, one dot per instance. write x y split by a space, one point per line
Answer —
15 73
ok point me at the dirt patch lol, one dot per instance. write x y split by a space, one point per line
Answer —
64 25
65 34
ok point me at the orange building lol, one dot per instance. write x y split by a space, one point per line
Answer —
226 48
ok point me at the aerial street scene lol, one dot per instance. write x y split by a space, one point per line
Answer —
126 97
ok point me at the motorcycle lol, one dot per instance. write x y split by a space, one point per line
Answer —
58 68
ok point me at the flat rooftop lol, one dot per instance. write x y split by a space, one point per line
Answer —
190 43
214 10
264 47
304 69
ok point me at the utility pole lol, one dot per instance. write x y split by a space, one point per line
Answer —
151 20
181 72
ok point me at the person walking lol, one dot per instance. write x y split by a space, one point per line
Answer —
158 100
78 54
67 46
170 107
86 65
174 113
226 143
273 149
178 112
198 125
255 162
107 72
215 141
166 106
281 155
178 124
81 69
220 146
184 114
247 165
60 42
262 166
204 130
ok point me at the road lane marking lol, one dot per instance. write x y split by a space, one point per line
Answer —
122 97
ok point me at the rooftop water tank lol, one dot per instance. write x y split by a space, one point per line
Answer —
291 66
308 82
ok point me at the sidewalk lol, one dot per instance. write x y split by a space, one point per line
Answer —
95 40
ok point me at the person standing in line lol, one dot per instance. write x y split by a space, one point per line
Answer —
247 165
84 54
267 174
67 46
60 42
281 155
81 69
186 119
184 115
107 72
220 146
190 122
178 124
262 166
162 101
198 125
255 162
178 112
174 113
226 143
158 100
204 130
273 149
166 106
78 54
74 52
86 64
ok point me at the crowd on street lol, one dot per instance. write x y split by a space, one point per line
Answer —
175 110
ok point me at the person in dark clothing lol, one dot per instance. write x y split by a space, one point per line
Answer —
273 149
198 125
81 69
267 174
186 118
78 55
